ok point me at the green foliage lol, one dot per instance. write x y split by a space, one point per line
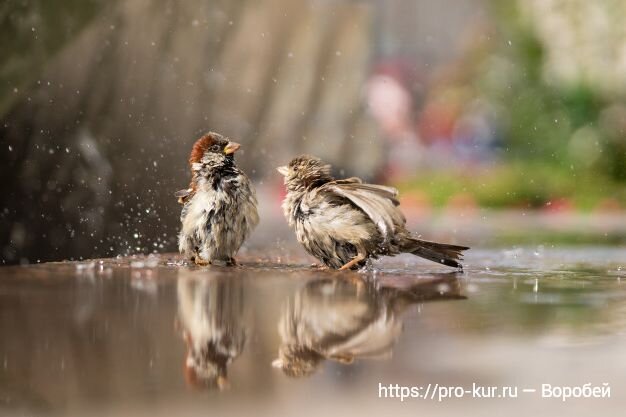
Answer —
519 184
553 125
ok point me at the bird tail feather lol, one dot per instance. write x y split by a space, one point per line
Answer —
442 253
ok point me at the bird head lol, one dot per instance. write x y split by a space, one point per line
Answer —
305 171
211 151
206 368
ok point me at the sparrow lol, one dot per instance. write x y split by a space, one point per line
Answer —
345 222
344 320
219 207
211 314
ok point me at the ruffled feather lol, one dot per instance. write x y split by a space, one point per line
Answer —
378 202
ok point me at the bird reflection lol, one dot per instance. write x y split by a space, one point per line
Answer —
344 319
211 316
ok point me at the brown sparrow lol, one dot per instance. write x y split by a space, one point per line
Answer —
345 222
212 319
348 319
219 207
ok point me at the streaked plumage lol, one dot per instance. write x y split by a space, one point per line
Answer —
219 207
212 317
345 222
348 319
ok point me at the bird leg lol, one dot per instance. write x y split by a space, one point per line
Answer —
358 258
345 359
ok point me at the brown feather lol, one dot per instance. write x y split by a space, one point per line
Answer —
197 152
201 146
378 202
443 253
343 221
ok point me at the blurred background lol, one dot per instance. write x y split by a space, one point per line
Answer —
498 121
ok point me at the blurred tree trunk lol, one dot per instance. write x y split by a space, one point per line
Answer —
31 33
98 137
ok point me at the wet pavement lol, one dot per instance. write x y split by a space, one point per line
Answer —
152 336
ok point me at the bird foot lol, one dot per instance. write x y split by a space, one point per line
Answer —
319 267
201 262
353 262
357 281
345 359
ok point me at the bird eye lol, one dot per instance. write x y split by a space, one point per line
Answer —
215 148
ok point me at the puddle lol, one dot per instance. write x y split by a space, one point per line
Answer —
151 336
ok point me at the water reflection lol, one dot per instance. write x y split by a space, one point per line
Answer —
95 337
212 321
344 319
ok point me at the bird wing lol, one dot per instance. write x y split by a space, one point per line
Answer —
378 202
373 341
183 195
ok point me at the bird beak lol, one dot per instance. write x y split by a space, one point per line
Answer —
231 148
277 363
283 170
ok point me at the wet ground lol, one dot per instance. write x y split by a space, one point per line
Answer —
151 336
